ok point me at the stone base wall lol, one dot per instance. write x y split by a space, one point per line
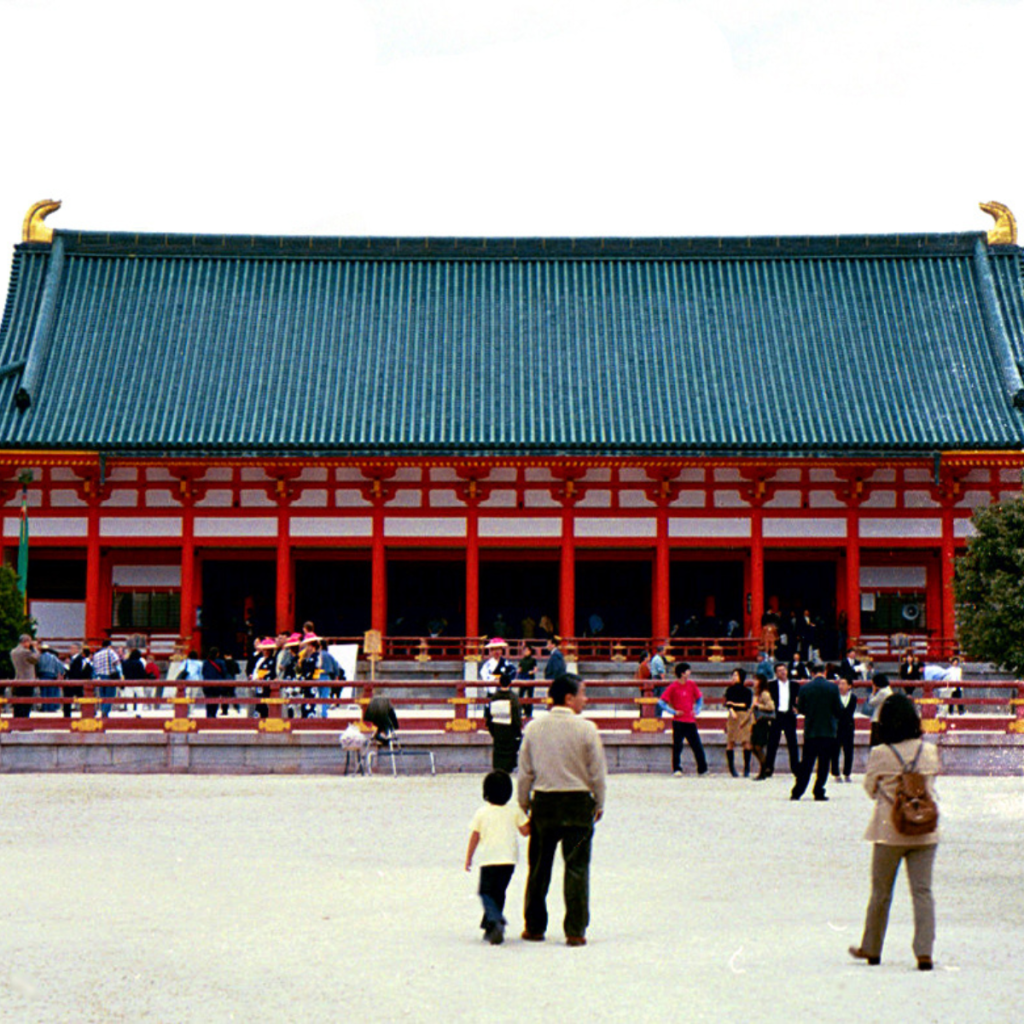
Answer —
308 753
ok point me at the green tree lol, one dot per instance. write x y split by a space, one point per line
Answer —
12 618
989 588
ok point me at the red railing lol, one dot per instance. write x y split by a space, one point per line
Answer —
444 705
879 647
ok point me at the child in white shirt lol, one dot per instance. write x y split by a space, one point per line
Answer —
494 831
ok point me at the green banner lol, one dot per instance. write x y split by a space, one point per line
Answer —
23 553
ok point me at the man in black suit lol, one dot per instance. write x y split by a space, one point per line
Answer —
784 693
849 667
821 707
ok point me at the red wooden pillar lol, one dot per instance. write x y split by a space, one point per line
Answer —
852 579
93 595
187 615
660 591
756 574
472 573
947 573
283 602
567 577
933 598
378 574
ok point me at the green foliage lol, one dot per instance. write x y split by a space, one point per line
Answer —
989 587
12 618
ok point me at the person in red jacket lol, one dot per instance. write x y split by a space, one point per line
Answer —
684 699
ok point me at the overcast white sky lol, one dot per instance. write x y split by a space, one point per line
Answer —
511 117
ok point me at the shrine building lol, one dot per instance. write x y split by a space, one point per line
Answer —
628 437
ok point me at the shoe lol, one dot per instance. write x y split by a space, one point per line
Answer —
532 937
858 954
677 773
820 797
575 940
847 779
924 963
795 796
495 935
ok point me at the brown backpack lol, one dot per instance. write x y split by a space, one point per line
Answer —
914 811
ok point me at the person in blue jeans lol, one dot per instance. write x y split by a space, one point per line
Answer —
106 666
49 672
494 832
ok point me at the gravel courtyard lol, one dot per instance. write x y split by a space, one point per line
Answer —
307 899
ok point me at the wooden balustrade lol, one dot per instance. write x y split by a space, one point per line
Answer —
457 706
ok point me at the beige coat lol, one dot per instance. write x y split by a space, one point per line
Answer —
880 782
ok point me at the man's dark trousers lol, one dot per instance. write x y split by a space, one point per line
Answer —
566 818
816 749
784 722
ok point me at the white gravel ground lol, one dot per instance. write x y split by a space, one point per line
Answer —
307 899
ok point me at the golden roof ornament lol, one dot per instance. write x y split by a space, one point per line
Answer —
33 229
1005 231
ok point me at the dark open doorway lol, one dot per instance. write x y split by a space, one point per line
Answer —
613 597
424 593
706 598
232 589
514 591
334 594
793 586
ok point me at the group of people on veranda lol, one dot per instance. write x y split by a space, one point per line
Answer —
59 683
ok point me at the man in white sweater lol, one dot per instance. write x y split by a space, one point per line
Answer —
561 786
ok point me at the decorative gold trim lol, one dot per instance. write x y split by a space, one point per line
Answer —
1016 726
933 725
180 725
4 725
460 725
275 725
1005 231
87 725
648 725
33 229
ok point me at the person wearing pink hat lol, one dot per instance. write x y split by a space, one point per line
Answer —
263 671
497 662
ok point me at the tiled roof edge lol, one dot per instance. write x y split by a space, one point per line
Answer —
895 453
315 247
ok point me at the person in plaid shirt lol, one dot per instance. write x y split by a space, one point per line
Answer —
106 665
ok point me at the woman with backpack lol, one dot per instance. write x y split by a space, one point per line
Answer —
904 827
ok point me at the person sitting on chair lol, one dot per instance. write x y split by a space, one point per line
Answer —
381 715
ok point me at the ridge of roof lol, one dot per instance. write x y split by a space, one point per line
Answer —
96 243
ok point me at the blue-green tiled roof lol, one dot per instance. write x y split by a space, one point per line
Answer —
155 344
